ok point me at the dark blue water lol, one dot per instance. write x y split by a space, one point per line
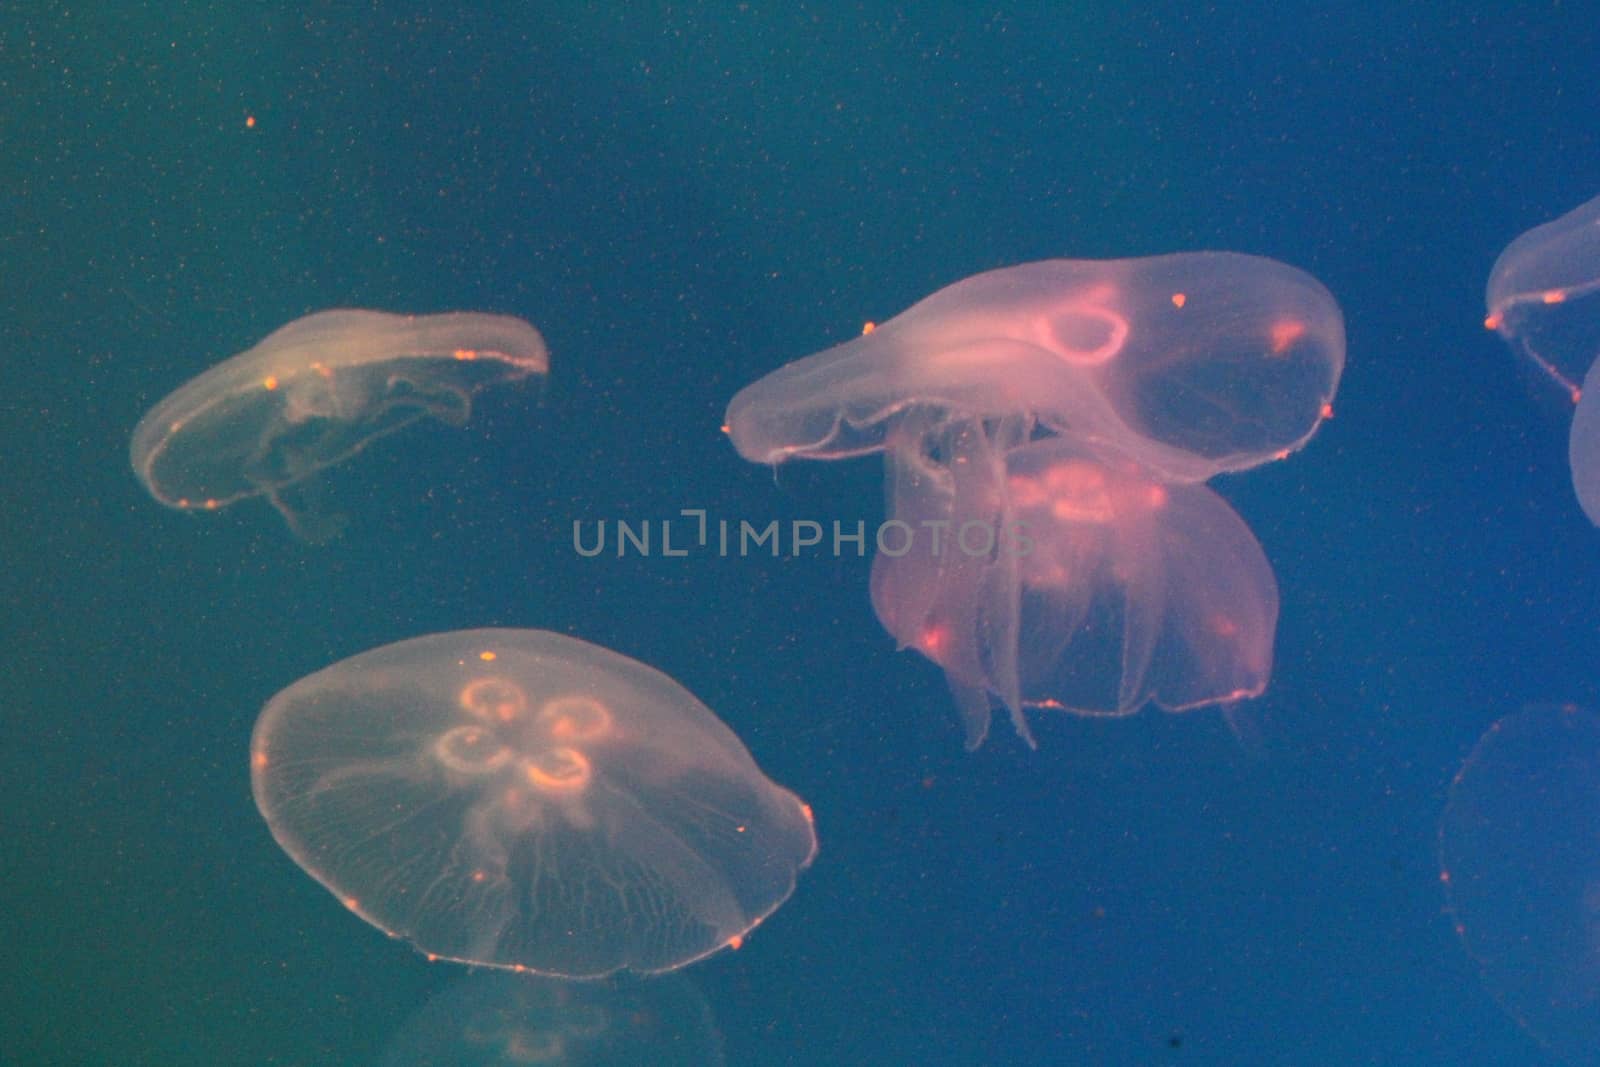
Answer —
682 199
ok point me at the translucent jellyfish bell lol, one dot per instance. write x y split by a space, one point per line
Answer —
521 799
1544 299
1071 581
1188 364
314 393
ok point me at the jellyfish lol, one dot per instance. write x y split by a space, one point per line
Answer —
1188 364
521 799
316 392
1062 415
1519 853
1544 299
1071 580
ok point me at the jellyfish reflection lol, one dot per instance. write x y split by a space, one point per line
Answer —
1077 403
521 799
1544 299
316 392
501 1019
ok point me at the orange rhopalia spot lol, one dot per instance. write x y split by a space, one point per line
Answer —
1284 333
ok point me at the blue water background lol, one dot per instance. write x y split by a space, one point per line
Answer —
684 197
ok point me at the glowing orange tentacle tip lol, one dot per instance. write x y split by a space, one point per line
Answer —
249 122
1554 296
487 657
1326 412
465 354
868 327
270 383
735 942
1492 322
1179 299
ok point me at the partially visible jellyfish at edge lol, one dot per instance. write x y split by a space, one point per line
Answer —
1519 860
525 800
1544 299
314 393
1070 407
